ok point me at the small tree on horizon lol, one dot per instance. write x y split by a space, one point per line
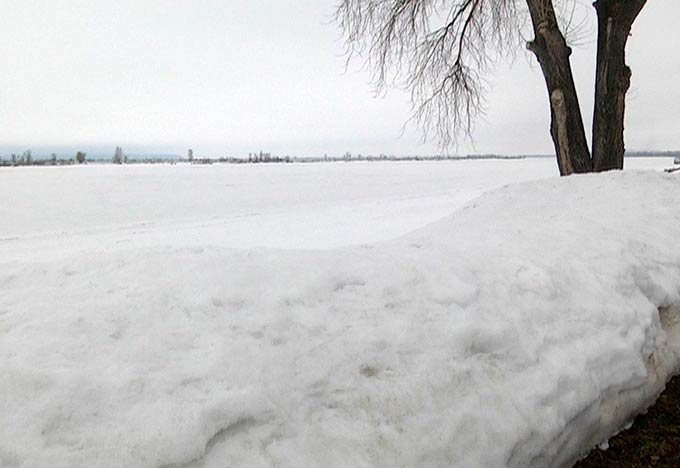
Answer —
442 51
80 157
118 155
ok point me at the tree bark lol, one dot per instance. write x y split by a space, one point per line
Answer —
566 123
612 80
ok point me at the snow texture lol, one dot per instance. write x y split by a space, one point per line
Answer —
521 330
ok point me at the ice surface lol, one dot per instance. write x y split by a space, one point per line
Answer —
522 329
68 209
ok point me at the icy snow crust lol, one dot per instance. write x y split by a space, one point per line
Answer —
523 329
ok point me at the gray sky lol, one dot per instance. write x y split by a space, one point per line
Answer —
229 77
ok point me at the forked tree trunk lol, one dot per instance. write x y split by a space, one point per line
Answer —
612 80
566 123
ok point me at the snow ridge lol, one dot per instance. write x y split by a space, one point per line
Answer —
523 329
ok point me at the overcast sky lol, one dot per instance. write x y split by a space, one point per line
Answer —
229 77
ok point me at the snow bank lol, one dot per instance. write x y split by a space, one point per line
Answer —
521 330
59 211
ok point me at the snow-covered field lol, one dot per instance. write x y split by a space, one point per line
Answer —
271 205
55 211
287 315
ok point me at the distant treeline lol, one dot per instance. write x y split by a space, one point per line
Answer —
7 162
27 159
653 154
255 158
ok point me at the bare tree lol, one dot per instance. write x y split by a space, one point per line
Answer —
441 51
615 20
118 157
80 157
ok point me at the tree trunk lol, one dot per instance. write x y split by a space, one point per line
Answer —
566 123
612 80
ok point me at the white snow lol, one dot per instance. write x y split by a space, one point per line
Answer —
50 212
522 329
66 209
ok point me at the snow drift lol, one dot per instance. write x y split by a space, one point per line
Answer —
523 329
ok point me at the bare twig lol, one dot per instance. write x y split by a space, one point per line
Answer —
441 51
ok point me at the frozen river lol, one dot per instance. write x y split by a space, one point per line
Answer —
130 336
52 211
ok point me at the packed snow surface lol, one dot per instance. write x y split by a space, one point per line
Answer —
521 329
50 212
